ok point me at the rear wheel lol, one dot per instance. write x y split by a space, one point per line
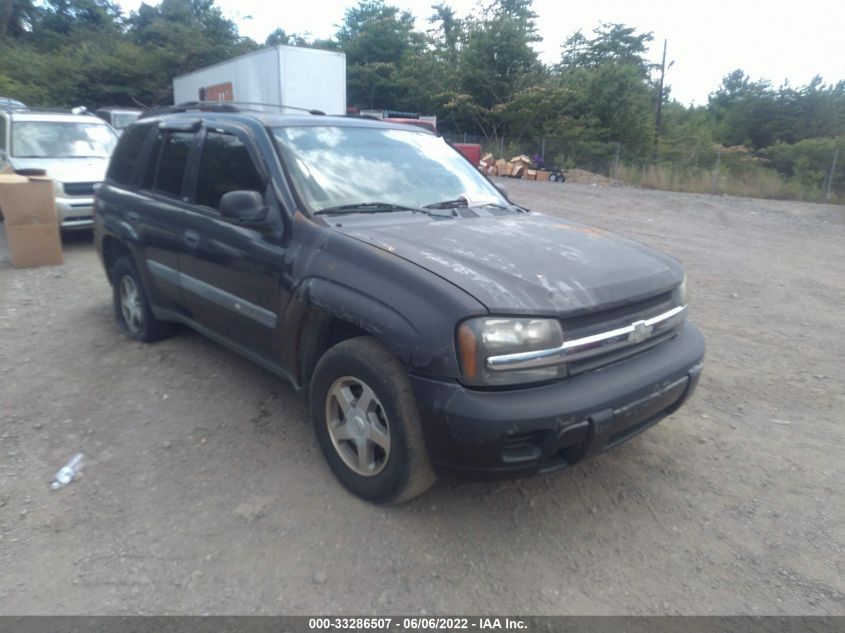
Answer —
367 423
131 308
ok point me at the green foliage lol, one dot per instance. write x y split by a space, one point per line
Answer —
280 38
808 162
611 44
496 59
755 114
17 18
378 40
74 52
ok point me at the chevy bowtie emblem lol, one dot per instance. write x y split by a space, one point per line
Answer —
642 331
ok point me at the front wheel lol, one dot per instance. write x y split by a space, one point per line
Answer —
367 423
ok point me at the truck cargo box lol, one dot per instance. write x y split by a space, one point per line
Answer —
281 75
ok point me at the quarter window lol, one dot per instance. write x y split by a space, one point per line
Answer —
225 165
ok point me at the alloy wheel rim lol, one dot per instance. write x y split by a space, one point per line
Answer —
358 426
130 304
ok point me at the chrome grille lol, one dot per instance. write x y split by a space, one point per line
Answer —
585 324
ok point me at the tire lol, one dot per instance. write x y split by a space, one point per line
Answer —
553 177
373 442
134 316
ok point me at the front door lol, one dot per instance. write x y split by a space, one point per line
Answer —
231 274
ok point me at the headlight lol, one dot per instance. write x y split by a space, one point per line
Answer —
479 339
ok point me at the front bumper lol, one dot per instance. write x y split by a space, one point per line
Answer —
522 432
75 212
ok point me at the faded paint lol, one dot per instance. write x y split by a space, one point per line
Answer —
527 263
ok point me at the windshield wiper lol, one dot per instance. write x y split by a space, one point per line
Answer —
463 202
448 204
374 207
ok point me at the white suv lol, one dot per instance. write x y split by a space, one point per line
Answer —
73 149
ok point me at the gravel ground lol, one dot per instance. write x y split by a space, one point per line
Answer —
205 491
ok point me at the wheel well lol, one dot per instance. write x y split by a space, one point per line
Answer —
321 331
113 249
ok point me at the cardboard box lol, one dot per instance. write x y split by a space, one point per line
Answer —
517 170
32 225
543 175
530 174
522 159
501 166
34 245
488 159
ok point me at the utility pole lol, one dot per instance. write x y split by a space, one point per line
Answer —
659 104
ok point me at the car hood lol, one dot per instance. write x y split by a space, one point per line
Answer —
528 263
67 169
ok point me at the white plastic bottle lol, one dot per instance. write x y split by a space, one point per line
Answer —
68 472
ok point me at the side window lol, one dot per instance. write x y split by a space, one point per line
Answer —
225 165
126 154
168 158
3 147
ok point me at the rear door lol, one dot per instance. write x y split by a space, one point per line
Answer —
231 274
160 210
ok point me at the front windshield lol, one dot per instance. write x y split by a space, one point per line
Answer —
333 166
61 139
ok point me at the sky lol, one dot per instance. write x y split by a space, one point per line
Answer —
768 39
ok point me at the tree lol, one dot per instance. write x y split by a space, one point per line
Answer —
180 36
745 111
279 38
612 43
497 59
446 34
378 40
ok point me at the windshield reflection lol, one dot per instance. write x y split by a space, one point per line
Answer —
336 165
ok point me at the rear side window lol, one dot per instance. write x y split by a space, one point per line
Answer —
166 169
225 165
126 154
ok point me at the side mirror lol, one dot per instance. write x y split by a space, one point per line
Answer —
243 207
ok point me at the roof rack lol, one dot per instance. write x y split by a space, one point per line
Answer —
223 106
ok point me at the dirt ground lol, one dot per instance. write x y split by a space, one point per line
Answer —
205 491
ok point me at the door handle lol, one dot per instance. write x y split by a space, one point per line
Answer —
192 238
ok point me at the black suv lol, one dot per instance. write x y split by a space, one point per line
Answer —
433 325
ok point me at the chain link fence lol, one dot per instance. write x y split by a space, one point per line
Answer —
692 167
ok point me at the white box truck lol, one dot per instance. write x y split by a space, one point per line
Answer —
279 76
